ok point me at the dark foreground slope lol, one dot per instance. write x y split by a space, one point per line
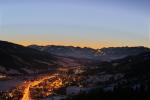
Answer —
15 59
123 79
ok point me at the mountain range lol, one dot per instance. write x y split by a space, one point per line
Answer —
18 59
103 54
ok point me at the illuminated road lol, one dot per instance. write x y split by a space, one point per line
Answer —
55 84
26 92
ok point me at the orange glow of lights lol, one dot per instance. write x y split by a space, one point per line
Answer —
54 85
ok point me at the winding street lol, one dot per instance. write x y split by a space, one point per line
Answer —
30 84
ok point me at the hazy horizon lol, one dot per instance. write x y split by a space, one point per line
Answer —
84 23
83 46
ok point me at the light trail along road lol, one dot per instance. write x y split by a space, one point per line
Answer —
28 85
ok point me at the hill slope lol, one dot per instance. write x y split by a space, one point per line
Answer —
16 59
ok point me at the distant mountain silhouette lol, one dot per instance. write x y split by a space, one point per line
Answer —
17 59
104 54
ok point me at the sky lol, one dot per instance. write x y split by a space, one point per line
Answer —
90 23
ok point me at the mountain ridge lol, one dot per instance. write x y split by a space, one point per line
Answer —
20 59
103 54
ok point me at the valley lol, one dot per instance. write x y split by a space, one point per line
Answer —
30 74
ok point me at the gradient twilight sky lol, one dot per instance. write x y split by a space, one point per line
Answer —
92 23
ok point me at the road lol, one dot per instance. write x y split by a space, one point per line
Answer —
28 85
